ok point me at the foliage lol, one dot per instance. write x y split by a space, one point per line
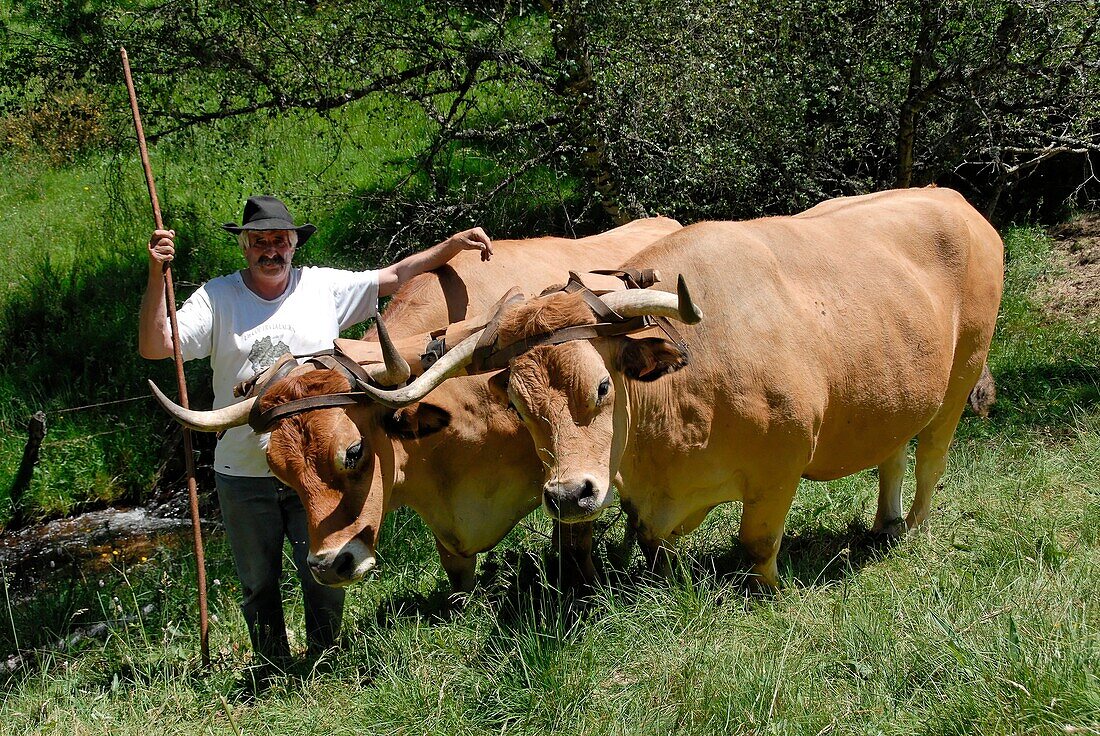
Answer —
64 125
730 109
698 109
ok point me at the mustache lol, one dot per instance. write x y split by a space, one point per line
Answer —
277 260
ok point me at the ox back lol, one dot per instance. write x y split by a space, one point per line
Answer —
830 339
466 287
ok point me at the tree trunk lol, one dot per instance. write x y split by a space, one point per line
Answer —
914 94
907 135
578 86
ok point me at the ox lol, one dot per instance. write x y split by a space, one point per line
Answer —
831 339
463 461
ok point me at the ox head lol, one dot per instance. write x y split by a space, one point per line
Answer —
332 464
327 461
572 396
340 461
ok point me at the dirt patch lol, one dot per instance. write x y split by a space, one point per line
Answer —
1073 292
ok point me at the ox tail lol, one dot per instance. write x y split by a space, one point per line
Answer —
984 393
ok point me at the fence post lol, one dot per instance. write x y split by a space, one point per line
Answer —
36 430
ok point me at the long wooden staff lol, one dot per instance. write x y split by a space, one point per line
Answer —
170 300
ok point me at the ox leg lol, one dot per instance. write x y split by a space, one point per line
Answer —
933 442
762 523
889 519
659 554
618 555
574 545
657 551
460 570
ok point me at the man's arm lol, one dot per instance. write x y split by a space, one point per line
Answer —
391 278
154 332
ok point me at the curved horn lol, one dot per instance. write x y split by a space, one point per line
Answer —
234 415
638 302
453 362
396 370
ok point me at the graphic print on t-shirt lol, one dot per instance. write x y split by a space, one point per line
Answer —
264 353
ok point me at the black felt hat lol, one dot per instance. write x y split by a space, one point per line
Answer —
269 213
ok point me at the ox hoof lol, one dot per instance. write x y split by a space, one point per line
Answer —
889 533
578 579
757 587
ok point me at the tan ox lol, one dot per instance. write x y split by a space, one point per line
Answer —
830 340
462 461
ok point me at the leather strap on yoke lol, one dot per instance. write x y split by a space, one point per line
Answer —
433 351
498 359
285 364
603 312
341 363
644 278
634 278
486 343
261 421
488 356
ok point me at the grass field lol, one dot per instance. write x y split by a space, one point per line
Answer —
985 621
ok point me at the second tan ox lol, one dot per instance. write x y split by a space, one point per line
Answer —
830 340
462 461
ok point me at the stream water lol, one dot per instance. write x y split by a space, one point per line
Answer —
90 541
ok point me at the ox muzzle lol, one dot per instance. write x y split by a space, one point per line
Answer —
341 567
574 500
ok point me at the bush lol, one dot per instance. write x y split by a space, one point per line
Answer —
60 128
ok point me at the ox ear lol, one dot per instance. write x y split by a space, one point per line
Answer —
416 421
498 385
649 358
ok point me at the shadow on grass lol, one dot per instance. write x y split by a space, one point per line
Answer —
811 558
819 557
512 582
523 587
1043 395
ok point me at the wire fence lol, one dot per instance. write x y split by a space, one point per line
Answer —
36 432
102 403
81 438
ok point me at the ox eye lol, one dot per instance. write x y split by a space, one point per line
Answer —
603 388
353 455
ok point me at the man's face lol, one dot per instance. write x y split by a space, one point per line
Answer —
269 252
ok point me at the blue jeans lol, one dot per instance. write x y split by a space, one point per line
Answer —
258 513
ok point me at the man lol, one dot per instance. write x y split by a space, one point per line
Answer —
243 322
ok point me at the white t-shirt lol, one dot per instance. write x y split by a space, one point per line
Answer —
244 334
